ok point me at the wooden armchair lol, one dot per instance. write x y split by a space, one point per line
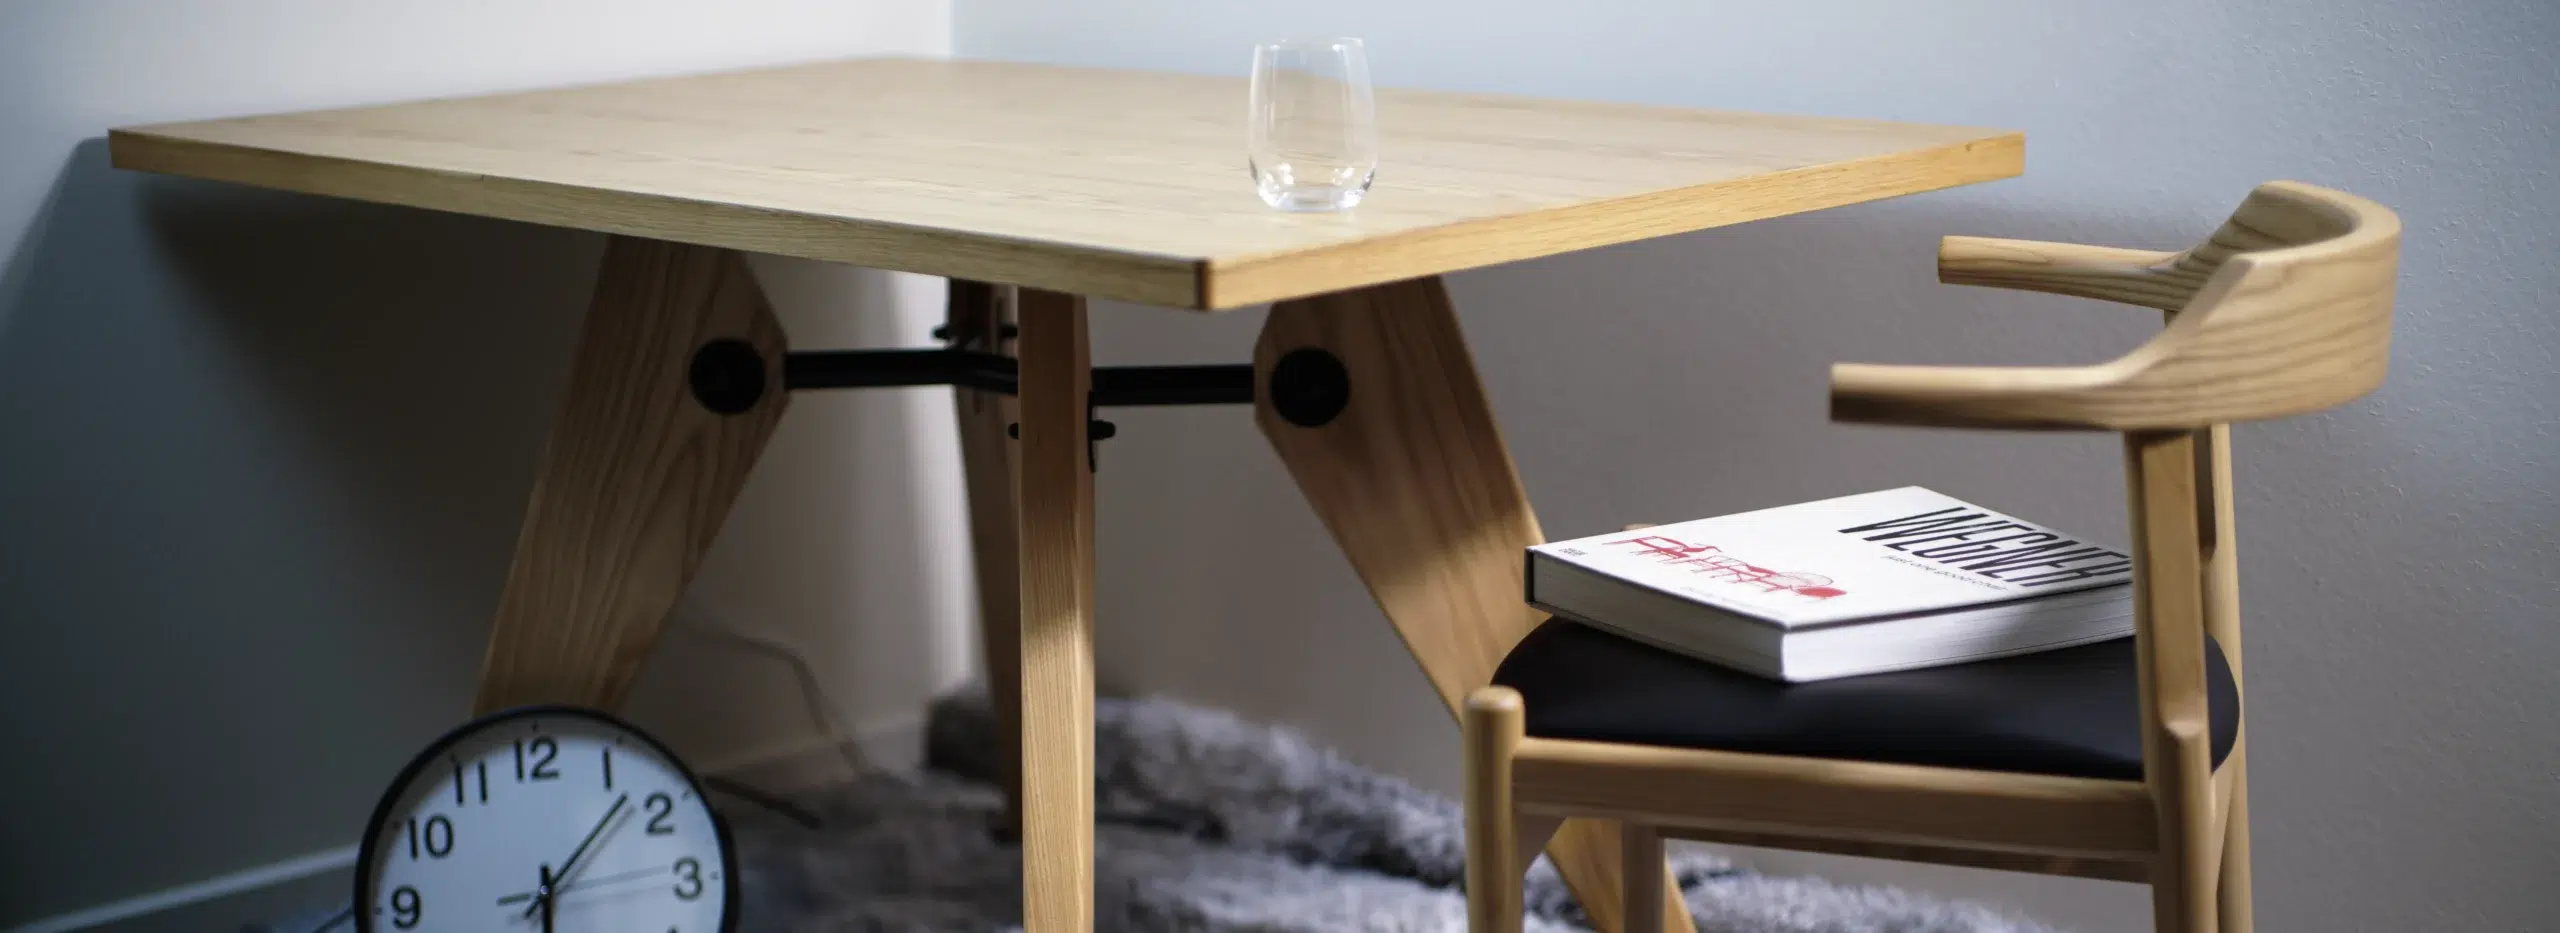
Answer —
2123 760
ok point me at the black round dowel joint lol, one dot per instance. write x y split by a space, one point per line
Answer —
1310 387
727 376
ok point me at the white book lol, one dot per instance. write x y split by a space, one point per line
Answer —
1883 581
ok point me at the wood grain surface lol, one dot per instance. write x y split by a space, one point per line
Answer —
975 317
2222 621
2294 317
1114 184
2169 630
2128 869
1840 799
1490 728
1053 494
635 480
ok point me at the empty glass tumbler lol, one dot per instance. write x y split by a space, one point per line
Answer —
1313 130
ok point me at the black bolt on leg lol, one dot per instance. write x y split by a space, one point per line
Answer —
1096 431
1310 387
727 376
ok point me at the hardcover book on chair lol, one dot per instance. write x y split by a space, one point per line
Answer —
1883 581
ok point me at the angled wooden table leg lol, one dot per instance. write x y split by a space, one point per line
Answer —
978 315
1053 493
638 473
1370 398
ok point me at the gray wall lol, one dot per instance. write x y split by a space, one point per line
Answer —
2398 555
262 456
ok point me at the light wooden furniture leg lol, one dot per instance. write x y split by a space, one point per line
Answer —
977 316
2231 903
1053 493
638 473
1411 476
2222 620
2161 472
1638 844
1490 726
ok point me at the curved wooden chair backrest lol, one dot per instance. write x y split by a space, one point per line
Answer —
2285 310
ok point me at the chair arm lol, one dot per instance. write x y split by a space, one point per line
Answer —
2132 276
2050 398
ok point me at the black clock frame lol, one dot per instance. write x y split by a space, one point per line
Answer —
362 907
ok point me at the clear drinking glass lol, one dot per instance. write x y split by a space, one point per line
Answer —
1313 137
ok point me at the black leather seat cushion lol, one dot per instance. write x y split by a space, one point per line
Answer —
2070 712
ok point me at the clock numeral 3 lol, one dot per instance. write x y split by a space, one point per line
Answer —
661 813
436 835
544 750
406 908
688 879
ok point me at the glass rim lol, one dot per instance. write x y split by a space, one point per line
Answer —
1308 42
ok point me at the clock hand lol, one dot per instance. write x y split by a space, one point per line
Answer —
523 896
542 901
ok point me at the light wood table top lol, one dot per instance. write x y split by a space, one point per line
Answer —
1115 184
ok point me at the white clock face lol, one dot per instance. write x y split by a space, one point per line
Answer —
545 821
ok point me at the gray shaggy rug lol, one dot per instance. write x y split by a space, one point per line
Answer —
1209 824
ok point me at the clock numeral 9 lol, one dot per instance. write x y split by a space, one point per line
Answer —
437 834
688 879
661 812
544 750
406 908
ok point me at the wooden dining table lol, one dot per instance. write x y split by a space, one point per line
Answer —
1034 188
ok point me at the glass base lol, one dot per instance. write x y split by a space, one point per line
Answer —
1311 198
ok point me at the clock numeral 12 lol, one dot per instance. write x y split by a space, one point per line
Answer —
436 833
544 750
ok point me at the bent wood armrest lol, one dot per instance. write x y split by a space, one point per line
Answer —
2141 277
2053 398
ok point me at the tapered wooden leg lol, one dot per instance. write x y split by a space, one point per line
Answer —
1053 493
2169 619
638 473
1639 845
1491 726
2222 619
1370 398
2232 894
976 320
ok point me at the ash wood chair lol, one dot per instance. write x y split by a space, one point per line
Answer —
2123 760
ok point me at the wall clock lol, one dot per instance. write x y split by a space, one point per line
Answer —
546 819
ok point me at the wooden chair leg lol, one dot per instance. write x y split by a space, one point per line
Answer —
638 473
2169 617
1053 494
1491 724
1640 846
1372 402
2222 620
2232 893
976 318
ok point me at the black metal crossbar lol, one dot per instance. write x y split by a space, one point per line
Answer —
1113 386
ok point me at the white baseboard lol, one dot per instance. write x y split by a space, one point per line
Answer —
196 892
893 743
